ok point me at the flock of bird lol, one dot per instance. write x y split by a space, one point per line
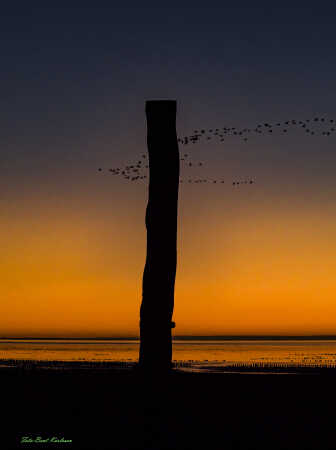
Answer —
245 133
137 171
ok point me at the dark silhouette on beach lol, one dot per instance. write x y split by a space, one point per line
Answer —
161 222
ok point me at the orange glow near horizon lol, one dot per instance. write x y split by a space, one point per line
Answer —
241 270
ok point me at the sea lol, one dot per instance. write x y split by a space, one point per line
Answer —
193 353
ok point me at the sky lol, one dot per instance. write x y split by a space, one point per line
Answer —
253 259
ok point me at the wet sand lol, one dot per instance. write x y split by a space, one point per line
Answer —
118 408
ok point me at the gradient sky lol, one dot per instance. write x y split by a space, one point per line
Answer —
74 80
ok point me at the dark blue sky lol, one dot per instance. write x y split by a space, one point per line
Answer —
64 69
74 81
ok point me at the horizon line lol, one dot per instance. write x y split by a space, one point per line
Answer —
183 337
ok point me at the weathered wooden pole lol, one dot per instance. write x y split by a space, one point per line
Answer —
161 222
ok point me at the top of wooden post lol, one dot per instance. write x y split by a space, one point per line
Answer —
153 106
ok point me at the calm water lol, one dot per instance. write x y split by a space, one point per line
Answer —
205 352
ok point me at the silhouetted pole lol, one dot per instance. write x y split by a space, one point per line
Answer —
161 222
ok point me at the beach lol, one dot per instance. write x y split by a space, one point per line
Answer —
119 408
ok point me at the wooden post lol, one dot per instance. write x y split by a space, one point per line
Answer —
161 222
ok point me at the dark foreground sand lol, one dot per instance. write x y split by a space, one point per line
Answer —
120 409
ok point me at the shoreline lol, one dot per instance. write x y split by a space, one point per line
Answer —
186 367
